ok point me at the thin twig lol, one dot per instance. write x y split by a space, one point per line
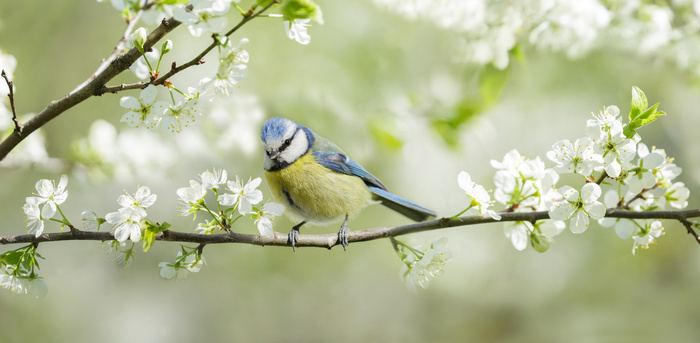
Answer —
638 196
602 177
11 95
394 243
330 240
197 60
689 227
124 87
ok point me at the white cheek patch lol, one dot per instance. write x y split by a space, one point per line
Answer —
298 147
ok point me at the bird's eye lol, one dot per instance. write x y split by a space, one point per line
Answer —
288 141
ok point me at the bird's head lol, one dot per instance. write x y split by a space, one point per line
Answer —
284 141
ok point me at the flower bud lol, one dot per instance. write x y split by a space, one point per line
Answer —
540 243
139 38
167 46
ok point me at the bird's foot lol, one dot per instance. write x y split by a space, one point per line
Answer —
343 233
294 235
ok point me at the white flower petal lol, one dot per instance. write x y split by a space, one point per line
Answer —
624 228
148 94
131 103
579 222
561 211
590 192
464 180
595 210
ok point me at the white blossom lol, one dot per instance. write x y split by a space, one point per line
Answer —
578 206
144 111
127 224
190 197
652 229
139 202
205 16
296 30
244 195
263 218
90 220
574 157
51 195
480 197
35 222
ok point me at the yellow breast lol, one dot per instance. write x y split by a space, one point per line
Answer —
315 193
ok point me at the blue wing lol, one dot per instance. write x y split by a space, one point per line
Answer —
341 163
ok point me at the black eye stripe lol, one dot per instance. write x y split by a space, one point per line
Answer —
287 141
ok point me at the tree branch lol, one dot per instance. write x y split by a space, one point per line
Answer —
330 240
197 60
87 89
108 69
11 95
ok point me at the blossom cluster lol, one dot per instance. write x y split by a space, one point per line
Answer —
110 152
201 17
490 30
129 218
242 199
18 272
614 166
48 197
420 265
17 267
187 260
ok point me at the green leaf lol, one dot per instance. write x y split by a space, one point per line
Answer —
518 54
639 103
644 118
300 9
491 83
11 257
384 131
640 115
149 236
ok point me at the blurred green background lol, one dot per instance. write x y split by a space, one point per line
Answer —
373 82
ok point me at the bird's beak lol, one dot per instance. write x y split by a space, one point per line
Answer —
274 154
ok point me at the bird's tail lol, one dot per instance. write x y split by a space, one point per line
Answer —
401 205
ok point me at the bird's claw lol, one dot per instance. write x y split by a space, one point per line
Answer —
343 234
294 235
293 238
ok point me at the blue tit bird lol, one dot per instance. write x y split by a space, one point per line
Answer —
319 183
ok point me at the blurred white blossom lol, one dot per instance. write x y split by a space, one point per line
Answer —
297 31
8 63
422 265
649 232
205 16
489 30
